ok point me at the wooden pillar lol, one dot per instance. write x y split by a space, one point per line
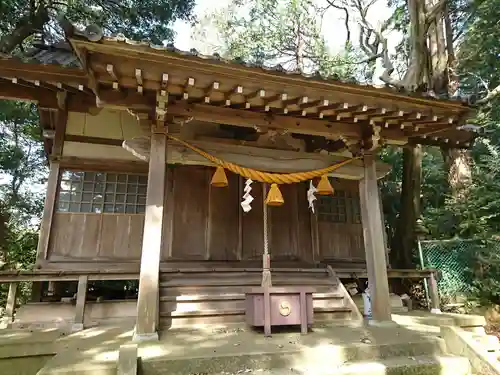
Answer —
373 228
81 296
434 294
53 180
48 213
147 304
11 304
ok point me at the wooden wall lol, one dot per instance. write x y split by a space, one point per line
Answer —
93 236
340 241
206 223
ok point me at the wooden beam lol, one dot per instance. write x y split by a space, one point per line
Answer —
251 119
12 68
147 303
125 166
61 121
264 159
48 213
373 228
93 140
46 99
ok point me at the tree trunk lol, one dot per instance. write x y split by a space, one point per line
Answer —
417 75
404 238
457 163
26 27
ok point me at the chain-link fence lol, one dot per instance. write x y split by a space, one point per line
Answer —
455 259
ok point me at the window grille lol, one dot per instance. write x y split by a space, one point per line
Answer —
333 209
102 192
342 207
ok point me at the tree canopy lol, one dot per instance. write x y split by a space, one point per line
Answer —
23 20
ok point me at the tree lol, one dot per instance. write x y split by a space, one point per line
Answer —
428 65
22 20
22 164
274 32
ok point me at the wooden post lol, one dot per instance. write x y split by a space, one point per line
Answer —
53 180
48 213
373 228
147 304
386 243
11 304
81 296
434 294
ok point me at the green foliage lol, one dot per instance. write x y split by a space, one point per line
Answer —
22 173
271 32
137 19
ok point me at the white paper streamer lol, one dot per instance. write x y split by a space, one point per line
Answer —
310 195
247 198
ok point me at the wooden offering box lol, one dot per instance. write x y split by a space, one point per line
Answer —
279 306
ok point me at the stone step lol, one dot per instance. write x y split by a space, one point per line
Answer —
488 342
420 365
416 358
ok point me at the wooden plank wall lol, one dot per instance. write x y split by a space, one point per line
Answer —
342 241
94 236
206 223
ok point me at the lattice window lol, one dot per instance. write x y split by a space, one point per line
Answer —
333 209
102 192
342 207
355 207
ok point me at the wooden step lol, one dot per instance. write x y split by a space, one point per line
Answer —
204 297
232 302
194 306
322 310
292 279
240 282
240 311
202 313
217 295
221 289
227 270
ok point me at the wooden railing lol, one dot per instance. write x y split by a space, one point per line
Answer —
83 277
429 274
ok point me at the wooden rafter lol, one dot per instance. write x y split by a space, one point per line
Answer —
15 69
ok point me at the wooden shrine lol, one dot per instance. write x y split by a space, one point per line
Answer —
134 134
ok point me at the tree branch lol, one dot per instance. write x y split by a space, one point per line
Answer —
26 27
346 20
431 15
489 96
